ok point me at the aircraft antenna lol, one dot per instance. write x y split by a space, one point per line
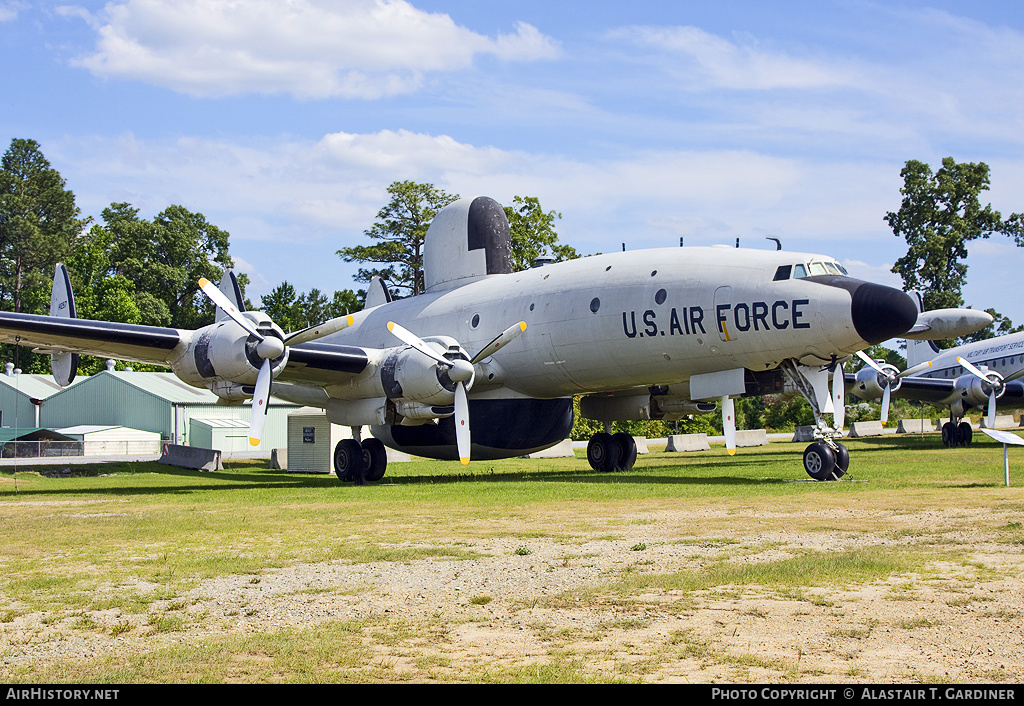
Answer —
778 243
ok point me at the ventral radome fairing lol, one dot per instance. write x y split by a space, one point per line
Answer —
486 362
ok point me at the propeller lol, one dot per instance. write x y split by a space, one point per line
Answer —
729 424
995 381
891 377
269 348
461 372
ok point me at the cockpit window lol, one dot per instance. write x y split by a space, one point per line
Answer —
799 271
832 268
817 268
783 272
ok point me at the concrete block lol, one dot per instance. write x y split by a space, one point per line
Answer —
915 426
191 457
279 459
804 433
641 444
560 450
866 428
1003 421
687 442
751 437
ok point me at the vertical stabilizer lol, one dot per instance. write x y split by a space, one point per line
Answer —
467 240
230 289
63 365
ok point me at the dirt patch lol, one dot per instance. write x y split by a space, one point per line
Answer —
525 604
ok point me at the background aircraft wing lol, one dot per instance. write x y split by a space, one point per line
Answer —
143 344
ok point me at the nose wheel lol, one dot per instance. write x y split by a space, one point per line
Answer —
824 461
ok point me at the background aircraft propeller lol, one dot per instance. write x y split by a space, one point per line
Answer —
996 381
461 372
891 376
269 349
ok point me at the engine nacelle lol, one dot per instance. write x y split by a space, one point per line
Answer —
226 353
974 392
870 383
416 382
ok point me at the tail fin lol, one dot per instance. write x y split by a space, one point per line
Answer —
63 365
230 289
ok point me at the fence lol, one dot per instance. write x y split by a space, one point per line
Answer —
40 449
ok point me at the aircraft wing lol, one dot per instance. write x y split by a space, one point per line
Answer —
142 344
939 391
310 363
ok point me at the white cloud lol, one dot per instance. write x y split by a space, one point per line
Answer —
705 60
309 48
9 10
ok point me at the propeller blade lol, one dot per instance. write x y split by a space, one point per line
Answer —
413 340
839 396
729 424
867 359
227 307
992 409
260 404
886 394
500 340
969 367
320 330
916 369
462 438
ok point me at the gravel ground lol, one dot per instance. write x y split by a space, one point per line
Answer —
524 603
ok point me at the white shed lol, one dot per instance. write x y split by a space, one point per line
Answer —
113 440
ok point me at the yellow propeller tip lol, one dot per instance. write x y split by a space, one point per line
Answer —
350 319
465 460
732 452
391 326
522 325
203 281
254 442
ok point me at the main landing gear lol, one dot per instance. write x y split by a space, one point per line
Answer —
611 452
957 433
360 461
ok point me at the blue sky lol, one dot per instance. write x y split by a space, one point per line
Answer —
283 122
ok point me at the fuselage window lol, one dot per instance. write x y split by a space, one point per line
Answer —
783 272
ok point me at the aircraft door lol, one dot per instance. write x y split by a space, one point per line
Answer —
723 314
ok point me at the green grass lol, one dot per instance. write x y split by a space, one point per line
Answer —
138 537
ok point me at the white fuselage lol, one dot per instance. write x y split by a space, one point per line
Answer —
632 319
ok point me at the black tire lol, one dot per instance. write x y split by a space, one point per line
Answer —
842 460
348 460
375 459
964 433
602 452
627 450
819 461
948 434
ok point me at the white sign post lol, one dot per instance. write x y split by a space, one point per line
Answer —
1006 439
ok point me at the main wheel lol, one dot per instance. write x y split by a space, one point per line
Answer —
948 434
602 452
348 460
627 450
964 432
375 459
819 461
842 460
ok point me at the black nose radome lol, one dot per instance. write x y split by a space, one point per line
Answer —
880 313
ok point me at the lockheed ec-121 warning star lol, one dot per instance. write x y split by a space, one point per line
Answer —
486 362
